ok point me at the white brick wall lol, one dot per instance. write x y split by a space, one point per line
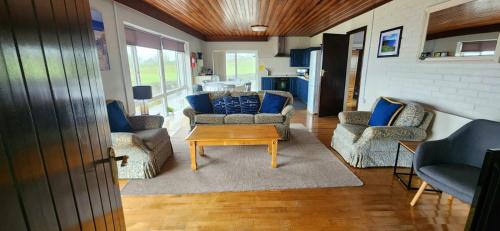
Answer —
469 89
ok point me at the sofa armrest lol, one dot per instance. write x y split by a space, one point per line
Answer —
289 110
431 153
355 117
144 122
396 133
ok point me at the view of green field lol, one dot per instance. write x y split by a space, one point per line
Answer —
246 67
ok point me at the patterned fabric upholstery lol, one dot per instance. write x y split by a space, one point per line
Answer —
362 146
280 120
249 104
209 118
268 118
239 119
219 106
411 115
232 105
148 147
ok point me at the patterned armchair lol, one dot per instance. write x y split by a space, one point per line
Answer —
148 146
363 146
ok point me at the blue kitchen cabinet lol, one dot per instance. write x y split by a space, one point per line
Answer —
297 57
293 86
267 83
302 88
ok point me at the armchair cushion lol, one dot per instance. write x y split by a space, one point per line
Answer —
150 138
144 122
385 112
350 132
355 117
459 180
394 133
200 103
410 116
117 119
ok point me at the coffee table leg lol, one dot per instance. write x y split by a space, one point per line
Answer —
201 150
192 149
270 148
274 153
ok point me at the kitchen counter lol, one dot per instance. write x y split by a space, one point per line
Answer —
285 76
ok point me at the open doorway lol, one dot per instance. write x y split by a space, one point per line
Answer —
354 66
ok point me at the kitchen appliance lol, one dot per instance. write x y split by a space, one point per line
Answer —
315 64
282 84
302 71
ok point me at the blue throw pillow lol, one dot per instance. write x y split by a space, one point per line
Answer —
249 104
219 106
200 103
273 103
118 122
385 112
232 105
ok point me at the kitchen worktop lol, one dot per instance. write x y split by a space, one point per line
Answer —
285 76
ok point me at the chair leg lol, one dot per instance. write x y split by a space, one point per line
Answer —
419 193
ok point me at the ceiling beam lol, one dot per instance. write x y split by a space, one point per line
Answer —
160 15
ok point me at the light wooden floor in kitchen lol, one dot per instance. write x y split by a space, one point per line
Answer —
381 204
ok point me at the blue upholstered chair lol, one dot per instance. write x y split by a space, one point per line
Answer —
453 164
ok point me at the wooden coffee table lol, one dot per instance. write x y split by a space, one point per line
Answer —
222 135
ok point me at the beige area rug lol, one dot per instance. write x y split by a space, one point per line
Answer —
303 162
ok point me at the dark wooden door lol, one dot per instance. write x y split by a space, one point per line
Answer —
55 171
335 50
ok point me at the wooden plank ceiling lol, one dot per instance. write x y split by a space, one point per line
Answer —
215 20
473 17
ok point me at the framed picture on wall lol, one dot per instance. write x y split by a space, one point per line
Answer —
390 42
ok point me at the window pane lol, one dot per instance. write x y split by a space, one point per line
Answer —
171 69
131 64
149 68
157 107
230 66
246 68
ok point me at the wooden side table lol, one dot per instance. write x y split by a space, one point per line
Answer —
411 146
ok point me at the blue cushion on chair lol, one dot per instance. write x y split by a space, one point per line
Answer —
232 105
219 106
200 103
249 104
385 112
118 121
273 103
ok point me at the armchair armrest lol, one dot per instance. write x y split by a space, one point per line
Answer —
144 122
431 153
355 117
151 138
189 112
396 133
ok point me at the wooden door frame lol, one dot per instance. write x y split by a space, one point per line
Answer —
359 68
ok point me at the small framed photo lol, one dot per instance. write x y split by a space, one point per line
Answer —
390 42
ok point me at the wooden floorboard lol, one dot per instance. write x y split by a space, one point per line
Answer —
380 204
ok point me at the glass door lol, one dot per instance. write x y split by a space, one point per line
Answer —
241 66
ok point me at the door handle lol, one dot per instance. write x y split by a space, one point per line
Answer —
114 169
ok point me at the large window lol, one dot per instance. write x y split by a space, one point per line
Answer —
160 63
241 66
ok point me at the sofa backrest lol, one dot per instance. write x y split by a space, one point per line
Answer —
470 143
217 94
